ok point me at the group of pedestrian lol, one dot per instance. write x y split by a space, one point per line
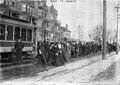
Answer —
51 53
111 47
84 48
59 53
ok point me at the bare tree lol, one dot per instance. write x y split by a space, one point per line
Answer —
96 34
110 36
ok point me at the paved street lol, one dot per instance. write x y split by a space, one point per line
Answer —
27 70
84 71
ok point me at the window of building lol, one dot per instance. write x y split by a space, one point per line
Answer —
23 34
32 10
23 17
23 7
13 4
2 32
1 1
7 13
29 35
5 2
17 33
28 8
40 12
35 12
47 24
34 21
15 15
9 32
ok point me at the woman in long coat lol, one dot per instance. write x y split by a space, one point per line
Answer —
54 53
59 56
51 59
41 54
64 52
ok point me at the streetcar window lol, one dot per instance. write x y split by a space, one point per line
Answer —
23 35
17 33
9 32
29 35
2 32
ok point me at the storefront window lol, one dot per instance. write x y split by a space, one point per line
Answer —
23 35
2 32
9 32
29 35
17 33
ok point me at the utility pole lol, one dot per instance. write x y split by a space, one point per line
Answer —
117 7
104 29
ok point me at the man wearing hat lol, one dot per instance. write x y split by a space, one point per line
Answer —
18 48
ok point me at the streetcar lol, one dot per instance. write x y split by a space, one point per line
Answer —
10 31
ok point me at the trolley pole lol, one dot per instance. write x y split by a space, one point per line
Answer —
104 29
117 28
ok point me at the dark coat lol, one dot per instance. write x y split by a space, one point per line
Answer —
41 55
59 60
18 47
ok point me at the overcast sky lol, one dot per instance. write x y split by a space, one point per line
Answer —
87 14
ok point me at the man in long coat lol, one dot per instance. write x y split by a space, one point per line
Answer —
18 48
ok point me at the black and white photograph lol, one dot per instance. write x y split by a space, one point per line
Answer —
59 42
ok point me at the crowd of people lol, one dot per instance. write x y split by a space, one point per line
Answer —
59 53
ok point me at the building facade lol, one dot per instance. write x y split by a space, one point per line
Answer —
65 33
17 18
